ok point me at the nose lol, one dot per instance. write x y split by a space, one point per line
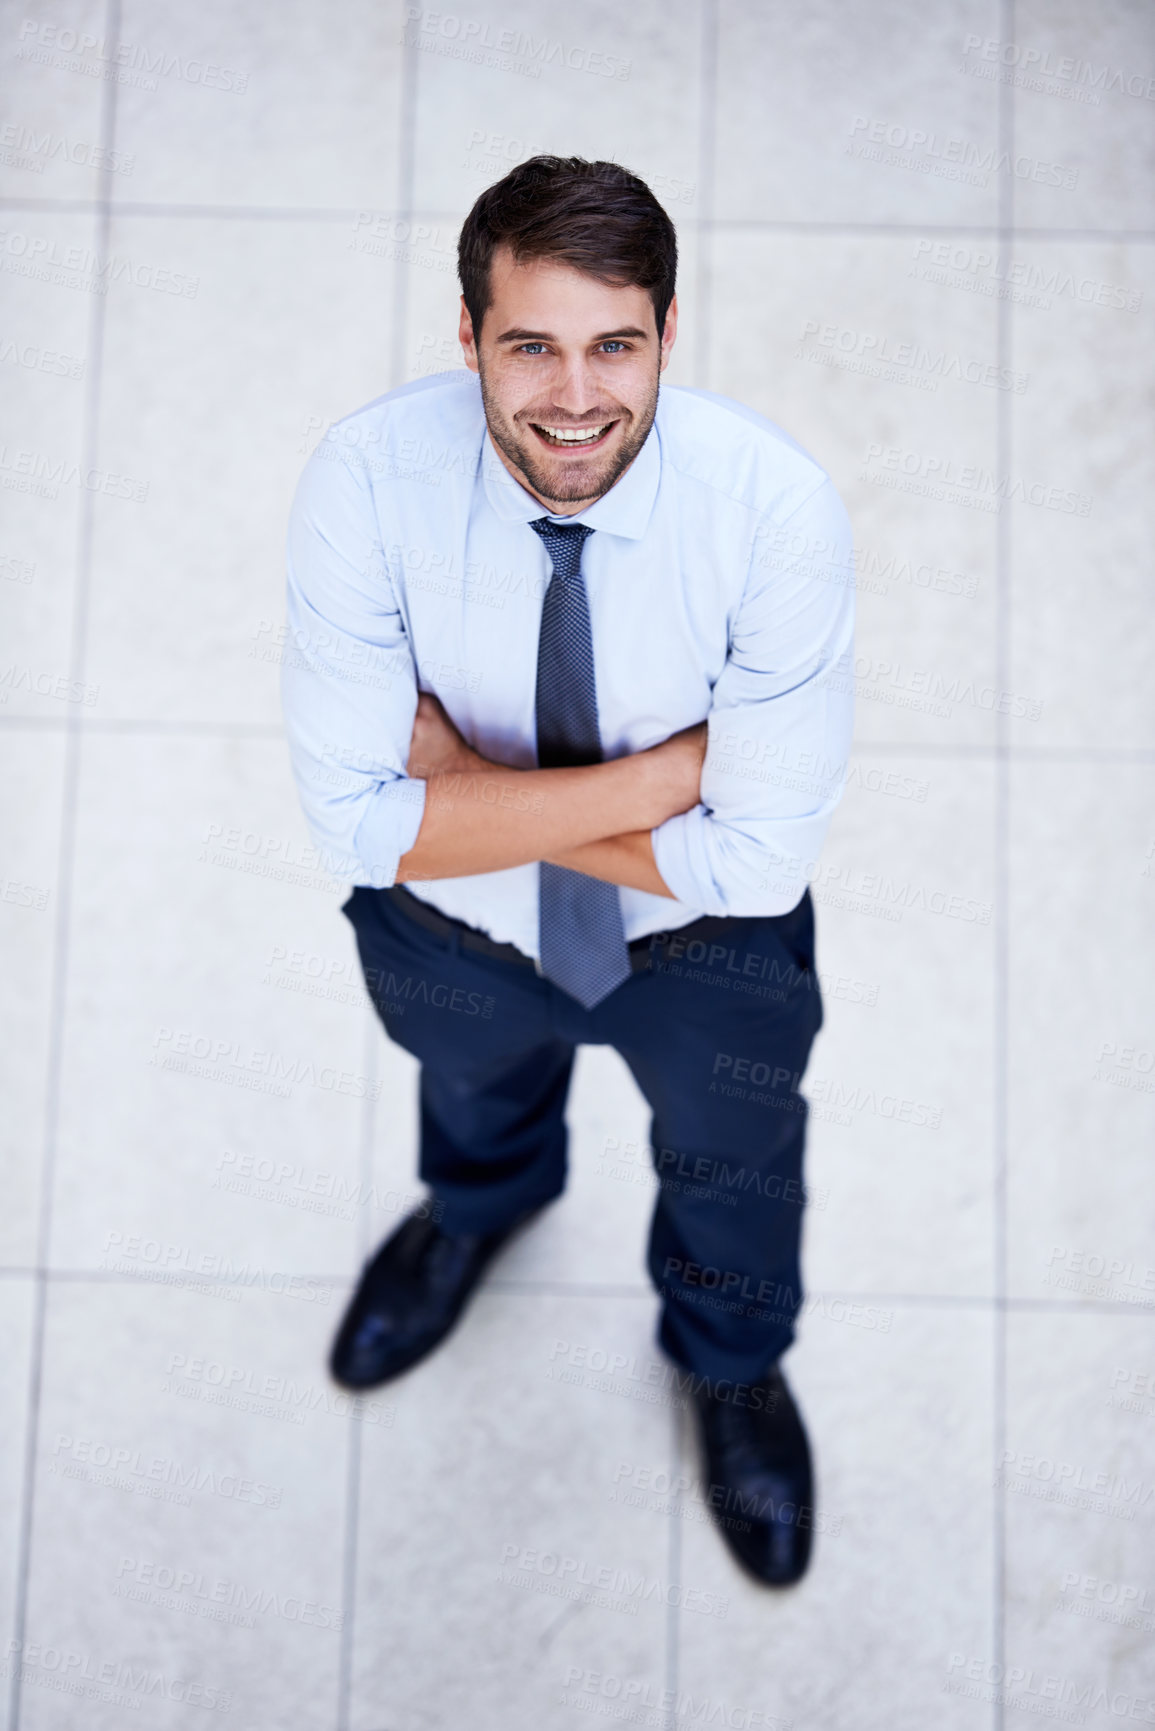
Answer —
574 388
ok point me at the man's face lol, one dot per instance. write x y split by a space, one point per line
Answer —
569 372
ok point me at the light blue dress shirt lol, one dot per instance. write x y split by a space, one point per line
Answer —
720 582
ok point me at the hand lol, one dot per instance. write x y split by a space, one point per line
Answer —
677 766
436 747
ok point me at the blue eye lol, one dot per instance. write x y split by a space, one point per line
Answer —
613 346
535 348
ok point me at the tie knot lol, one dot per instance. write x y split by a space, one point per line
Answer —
563 534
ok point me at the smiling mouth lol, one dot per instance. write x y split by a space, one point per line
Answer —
573 438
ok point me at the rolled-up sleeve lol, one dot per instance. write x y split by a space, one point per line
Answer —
779 725
348 683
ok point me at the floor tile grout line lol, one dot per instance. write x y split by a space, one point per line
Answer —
1004 437
407 127
866 228
674 1556
406 178
707 127
773 225
349 1563
532 1289
371 1068
93 724
704 296
1022 753
69 804
354 1457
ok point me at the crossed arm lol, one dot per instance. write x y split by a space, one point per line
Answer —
484 817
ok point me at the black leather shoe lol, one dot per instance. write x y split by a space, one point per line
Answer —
761 1483
410 1296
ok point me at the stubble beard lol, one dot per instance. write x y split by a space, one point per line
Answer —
572 484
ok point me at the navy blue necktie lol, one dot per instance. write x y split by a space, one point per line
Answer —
580 933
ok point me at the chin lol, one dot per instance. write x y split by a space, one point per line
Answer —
571 489
569 480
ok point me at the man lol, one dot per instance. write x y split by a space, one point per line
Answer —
564 705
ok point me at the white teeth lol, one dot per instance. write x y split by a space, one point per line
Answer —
575 436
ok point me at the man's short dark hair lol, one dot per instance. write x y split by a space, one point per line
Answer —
594 216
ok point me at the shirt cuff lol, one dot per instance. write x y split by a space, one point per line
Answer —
680 855
389 829
684 847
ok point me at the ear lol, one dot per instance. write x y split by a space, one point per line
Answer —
669 334
465 338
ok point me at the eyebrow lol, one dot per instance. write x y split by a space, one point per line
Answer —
520 336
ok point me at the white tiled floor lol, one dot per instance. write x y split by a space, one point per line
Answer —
194 1519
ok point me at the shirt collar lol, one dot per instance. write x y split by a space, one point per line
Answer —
625 510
